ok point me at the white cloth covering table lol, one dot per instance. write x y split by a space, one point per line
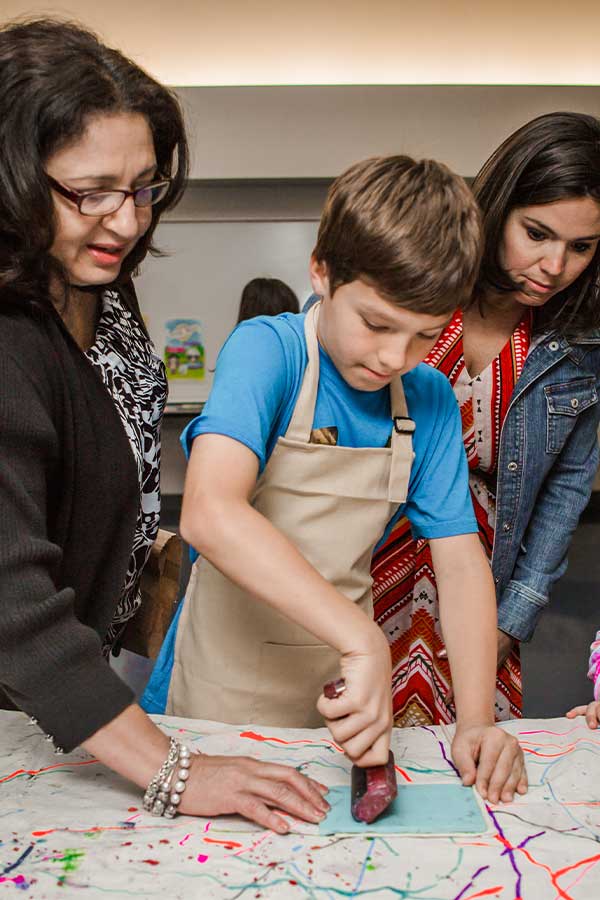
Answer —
68 826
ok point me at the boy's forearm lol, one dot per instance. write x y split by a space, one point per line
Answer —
472 648
255 555
469 625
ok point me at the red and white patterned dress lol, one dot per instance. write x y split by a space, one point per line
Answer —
404 588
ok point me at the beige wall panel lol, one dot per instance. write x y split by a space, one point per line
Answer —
297 132
204 42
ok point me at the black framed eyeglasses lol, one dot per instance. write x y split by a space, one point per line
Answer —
103 203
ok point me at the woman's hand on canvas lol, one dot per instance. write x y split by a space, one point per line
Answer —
259 791
132 745
360 719
591 713
491 759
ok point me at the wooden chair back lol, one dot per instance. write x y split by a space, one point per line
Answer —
159 584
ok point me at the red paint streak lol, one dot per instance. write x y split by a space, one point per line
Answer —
132 809
547 755
126 844
563 751
255 844
404 774
557 733
581 875
229 844
582 862
472 844
253 736
554 876
186 838
151 862
32 772
487 893
582 803
95 829
570 746
293 882
164 841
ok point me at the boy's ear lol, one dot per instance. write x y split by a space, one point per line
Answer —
318 277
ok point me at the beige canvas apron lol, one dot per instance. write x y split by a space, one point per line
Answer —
237 660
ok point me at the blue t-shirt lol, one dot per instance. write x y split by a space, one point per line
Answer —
257 381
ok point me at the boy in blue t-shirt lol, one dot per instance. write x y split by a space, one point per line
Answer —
303 457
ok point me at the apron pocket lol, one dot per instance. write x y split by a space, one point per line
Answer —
290 680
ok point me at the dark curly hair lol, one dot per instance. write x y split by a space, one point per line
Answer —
554 157
55 76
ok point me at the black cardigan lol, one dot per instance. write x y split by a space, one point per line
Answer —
69 497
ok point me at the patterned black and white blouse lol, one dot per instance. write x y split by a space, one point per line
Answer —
136 380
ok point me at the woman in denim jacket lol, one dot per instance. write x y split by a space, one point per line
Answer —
524 366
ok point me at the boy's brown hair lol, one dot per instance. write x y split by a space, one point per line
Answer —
411 230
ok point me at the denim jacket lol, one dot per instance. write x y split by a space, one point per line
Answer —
547 460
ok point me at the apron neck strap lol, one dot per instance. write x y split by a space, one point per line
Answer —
301 423
303 416
401 443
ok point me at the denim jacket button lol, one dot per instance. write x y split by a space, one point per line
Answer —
512 466
553 345
574 402
506 526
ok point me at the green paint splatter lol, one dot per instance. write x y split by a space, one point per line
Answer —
70 861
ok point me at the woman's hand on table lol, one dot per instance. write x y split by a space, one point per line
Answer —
492 760
360 719
259 791
135 747
591 711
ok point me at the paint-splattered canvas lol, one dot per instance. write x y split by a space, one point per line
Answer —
69 826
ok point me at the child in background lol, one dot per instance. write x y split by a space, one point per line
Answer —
591 711
320 430
266 297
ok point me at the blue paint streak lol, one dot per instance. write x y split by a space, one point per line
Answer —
311 885
570 814
18 861
364 868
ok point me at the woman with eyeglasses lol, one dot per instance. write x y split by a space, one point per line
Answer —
92 152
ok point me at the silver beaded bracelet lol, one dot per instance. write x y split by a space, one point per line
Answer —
183 773
159 798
